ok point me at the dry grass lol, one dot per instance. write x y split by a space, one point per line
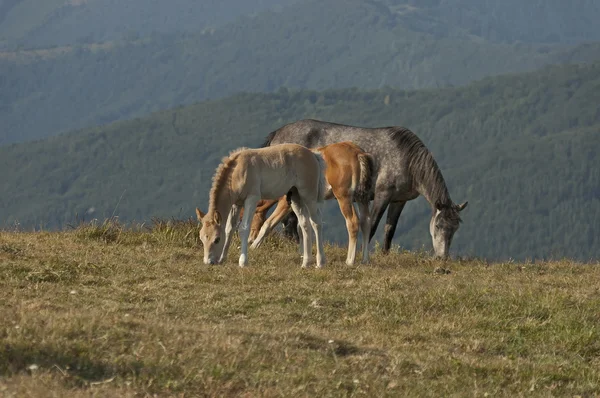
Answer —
104 311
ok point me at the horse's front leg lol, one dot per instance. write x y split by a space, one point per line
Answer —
232 222
282 210
259 218
365 225
381 201
249 209
393 214
291 228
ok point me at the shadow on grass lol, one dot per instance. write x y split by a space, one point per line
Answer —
78 367
338 347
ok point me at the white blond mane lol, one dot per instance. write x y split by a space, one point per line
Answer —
222 176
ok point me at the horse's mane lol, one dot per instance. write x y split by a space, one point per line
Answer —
222 175
422 166
269 139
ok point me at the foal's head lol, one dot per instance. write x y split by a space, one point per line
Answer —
444 223
212 235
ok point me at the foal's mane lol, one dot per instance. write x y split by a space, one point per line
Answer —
422 166
222 176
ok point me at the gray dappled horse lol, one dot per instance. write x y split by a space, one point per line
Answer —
405 169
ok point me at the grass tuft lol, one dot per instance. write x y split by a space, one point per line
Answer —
109 231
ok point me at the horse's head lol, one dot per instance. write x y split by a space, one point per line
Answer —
212 235
444 224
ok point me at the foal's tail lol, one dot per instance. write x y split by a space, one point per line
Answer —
322 180
366 182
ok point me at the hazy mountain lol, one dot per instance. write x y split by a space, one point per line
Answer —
48 23
311 44
522 149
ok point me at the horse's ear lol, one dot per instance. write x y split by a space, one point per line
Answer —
199 214
217 218
462 206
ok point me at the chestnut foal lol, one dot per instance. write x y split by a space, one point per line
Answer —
350 176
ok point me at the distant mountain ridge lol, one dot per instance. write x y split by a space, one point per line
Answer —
35 24
309 44
32 23
522 149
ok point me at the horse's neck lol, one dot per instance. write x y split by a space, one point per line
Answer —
222 204
433 189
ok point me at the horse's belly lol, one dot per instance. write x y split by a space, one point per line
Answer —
276 186
405 196
402 189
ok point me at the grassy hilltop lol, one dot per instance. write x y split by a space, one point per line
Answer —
106 312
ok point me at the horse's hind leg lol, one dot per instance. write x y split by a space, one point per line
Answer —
314 214
365 225
394 211
349 214
249 208
302 214
232 222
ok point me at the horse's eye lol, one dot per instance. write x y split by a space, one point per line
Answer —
217 239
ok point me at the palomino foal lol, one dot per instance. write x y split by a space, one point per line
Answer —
350 178
246 176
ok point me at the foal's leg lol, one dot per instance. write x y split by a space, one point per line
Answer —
259 217
365 225
232 222
250 207
314 213
393 214
301 213
282 210
347 209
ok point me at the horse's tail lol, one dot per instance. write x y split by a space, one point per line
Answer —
366 181
322 181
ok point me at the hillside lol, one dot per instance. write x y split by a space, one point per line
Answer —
35 24
313 44
135 313
31 24
522 149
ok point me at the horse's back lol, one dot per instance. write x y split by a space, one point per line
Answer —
272 171
311 133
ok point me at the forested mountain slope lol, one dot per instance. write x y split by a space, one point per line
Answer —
32 23
522 149
48 23
315 44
